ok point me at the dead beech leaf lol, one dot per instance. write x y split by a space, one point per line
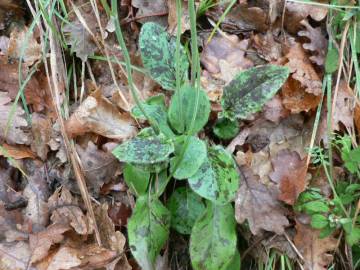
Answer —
21 44
18 151
97 114
41 242
224 56
15 133
64 258
302 70
274 110
258 204
14 256
314 250
99 166
344 107
317 44
296 99
290 173
64 209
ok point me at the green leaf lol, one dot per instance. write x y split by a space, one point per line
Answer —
327 231
160 183
213 238
217 179
194 157
353 236
249 90
182 109
235 263
155 109
226 129
331 61
140 150
185 207
158 55
148 230
319 221
136 178
316 207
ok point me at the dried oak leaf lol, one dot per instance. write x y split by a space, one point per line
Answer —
296 99
225 56
302 70
97 114
316 251
14 256
258 204
290 173
64 209
344 107
266 46
99 166
21 44
41 242
15 133
318 42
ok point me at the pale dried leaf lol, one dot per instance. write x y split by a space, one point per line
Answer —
257 203
172 18
147 8
344 107
318 13
41 130
317 44
316 251
14 256
65 258
302 70
15 133
97 114
267 47
274 110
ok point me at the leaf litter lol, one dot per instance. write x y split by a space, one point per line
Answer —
262 171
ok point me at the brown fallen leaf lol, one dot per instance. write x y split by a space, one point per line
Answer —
15 256
316 251
97 114
4 43
172 19
266 46
225 56
22 45
99 166
41 130
344 107
41 242
296 99
357 118
290 174
151 10
15 133
64 209
17 151
302 70
318 42
257 203
274 110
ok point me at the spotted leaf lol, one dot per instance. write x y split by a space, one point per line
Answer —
158 55
217 179
250 89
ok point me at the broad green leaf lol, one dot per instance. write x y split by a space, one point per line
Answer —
249 90
194 157
353 236
327 231
182 109
160 182
316 207
148 230
226 129
213 238
218 178
236 262
332 60
144 150
136 178
185 207
319 221
155 109
158 55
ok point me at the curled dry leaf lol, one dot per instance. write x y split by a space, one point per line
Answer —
15 134
296 99
258 204
316 251
317 44
224 56
344 107
41 242
99 166
97 114
290 173
22 45
302 70
64 209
